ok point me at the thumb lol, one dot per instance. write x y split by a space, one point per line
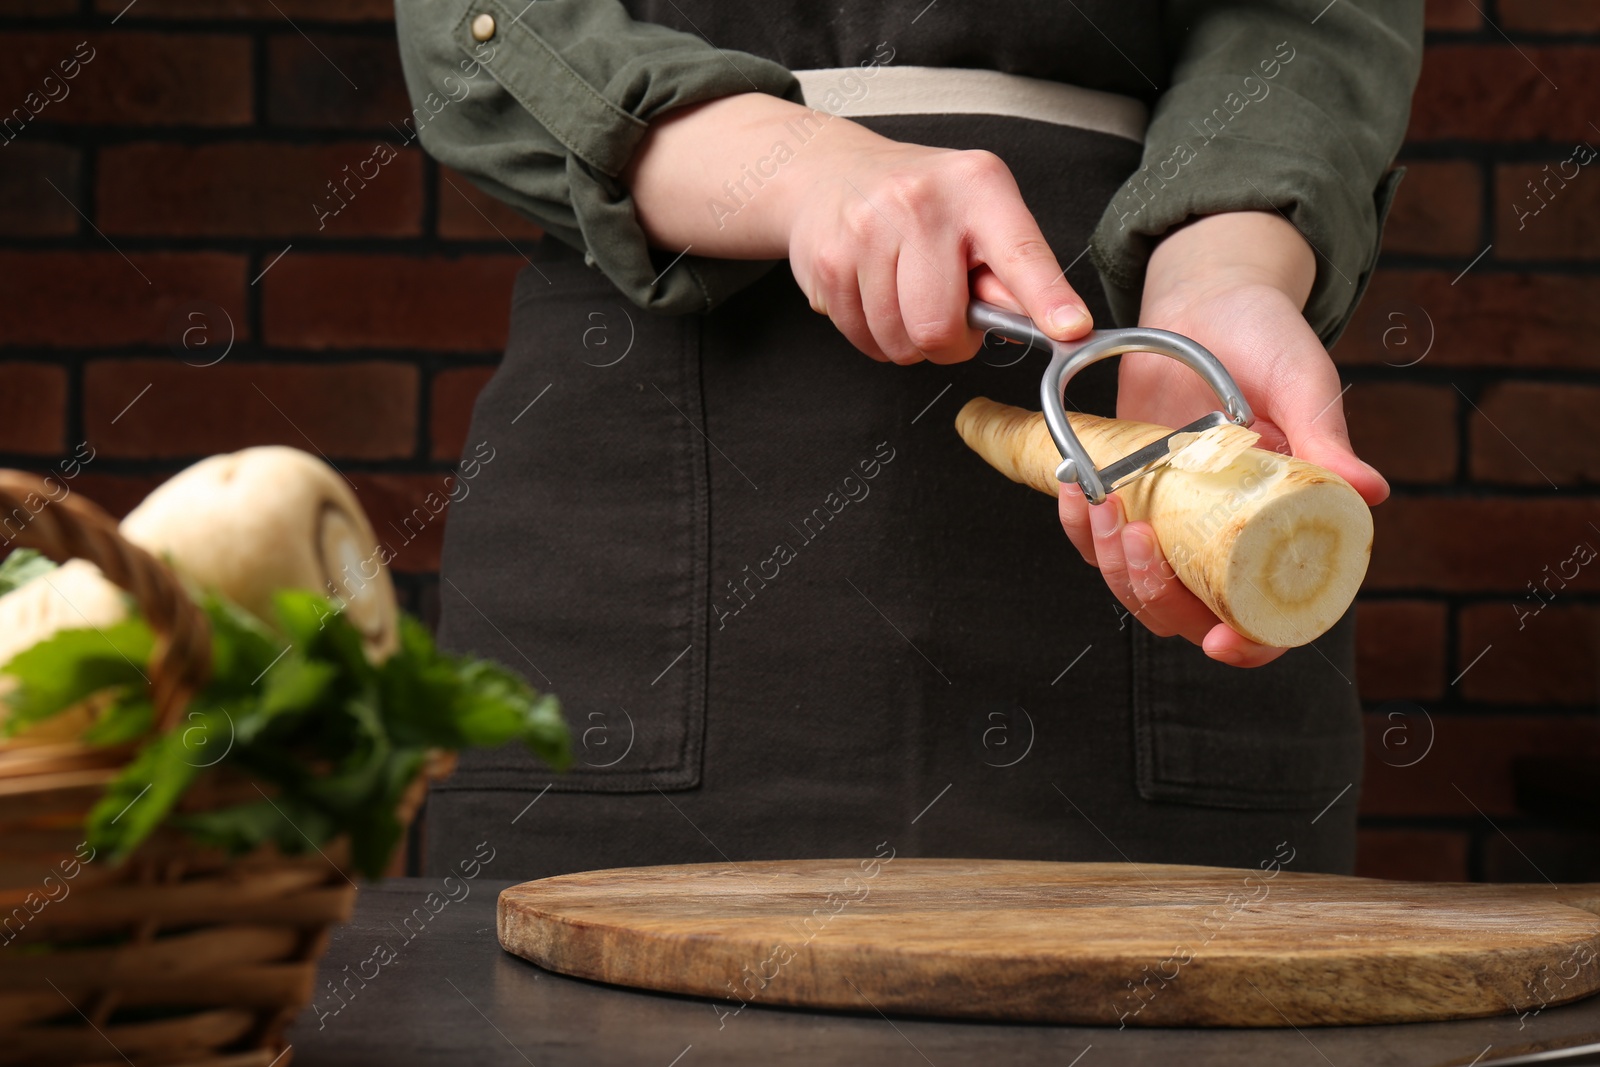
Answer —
1312 419
1006 238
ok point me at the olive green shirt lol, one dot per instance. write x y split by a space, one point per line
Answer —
547 111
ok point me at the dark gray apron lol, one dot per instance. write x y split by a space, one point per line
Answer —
789 614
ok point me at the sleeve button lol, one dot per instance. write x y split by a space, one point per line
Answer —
483 27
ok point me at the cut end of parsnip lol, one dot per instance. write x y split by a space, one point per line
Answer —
1297 564
1274 546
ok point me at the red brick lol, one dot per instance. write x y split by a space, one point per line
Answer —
1535 655
355 301
1470 762
391 500
1528 854
1484 320
1491 92
1477 545
1451 15
1412 855
33 405
312 86
1407 431
454 392
144 79
1549 16
1400 649
343 410
1555 222
28 206
270 10
260 190
1530 433
1437 210
98 298
467 212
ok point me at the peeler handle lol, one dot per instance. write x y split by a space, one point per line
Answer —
1008 324
1069 357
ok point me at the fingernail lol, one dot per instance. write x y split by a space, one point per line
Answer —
1105 519
1229 656
1068 317
1136 549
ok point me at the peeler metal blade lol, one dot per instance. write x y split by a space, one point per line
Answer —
1153 456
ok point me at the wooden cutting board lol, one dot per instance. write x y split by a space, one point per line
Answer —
1082 943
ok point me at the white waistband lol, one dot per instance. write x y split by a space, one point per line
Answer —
891 90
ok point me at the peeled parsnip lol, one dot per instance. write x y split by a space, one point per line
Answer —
1275 546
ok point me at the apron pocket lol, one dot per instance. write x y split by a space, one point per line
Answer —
1284 736
578 555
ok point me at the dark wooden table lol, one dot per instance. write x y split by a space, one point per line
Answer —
450 995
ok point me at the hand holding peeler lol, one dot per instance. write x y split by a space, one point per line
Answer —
1069 357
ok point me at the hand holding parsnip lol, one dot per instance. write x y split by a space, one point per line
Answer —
1238 283
1276 547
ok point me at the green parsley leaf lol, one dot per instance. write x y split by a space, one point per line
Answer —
331 740
22 566
70 665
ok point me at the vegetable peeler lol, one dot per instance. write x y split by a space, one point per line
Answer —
1069 357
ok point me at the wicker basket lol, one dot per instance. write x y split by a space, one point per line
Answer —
180 955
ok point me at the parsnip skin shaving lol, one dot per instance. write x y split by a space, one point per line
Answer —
1274 546
1210 450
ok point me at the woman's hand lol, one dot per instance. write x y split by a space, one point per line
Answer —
1236 283
885 236
881 235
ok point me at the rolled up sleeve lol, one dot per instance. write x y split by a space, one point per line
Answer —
547 111
1270 110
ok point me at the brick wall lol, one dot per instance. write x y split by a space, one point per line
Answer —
1475 388
162 210
163 206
